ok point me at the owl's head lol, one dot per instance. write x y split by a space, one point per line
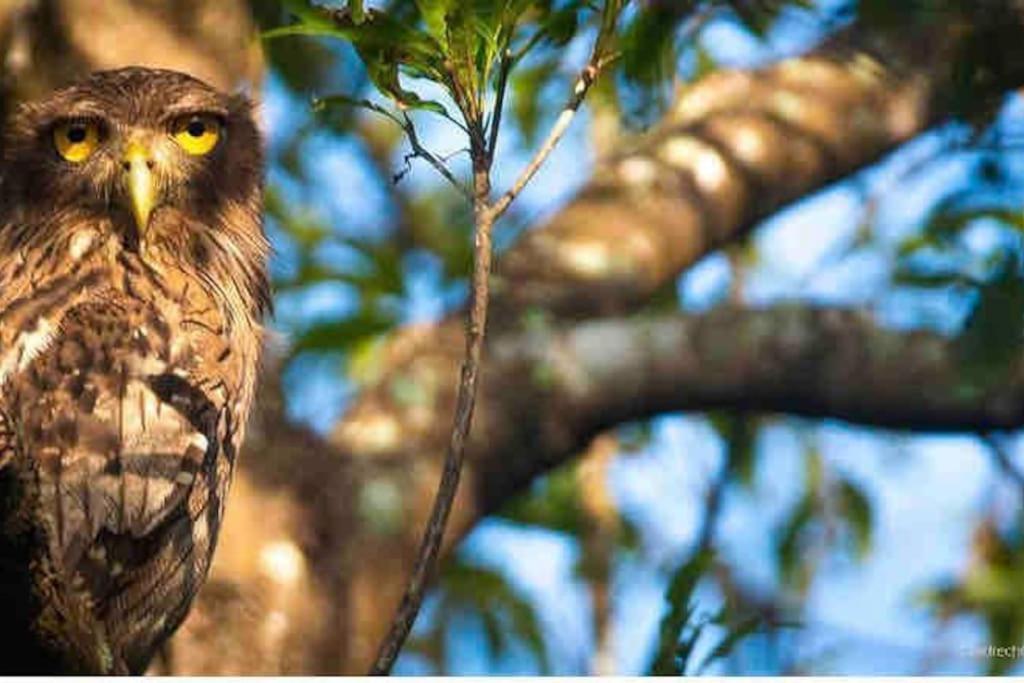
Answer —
157 157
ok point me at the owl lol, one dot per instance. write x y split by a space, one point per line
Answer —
133 282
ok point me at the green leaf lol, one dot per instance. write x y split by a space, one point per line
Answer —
907 276
434 13
328 102
856 508
561 26
789 543
494 635
674 643
736 633
382 68
356 11
989 588
463 43
649 42
413 101
739 432
383 43
650 48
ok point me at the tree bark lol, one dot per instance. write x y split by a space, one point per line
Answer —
50 43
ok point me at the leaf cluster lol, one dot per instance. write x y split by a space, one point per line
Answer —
467 49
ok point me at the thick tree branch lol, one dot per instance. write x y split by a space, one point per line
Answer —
790 359
545 393
736 147
549 392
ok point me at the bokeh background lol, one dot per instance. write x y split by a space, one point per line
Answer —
797 526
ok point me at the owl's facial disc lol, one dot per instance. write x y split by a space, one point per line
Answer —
149 158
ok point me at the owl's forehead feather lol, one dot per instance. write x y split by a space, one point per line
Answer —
134 94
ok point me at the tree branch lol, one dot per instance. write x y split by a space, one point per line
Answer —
561 125
548 392
789 359
430 547
420 151
545 393
494 126
736 147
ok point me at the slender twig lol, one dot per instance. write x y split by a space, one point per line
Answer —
420 151
528 45
483 141
579 93
454 153
430 547
406 124
451 119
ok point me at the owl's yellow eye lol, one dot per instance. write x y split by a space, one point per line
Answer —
76 140
197 134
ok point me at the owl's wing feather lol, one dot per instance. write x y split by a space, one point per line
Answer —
128 443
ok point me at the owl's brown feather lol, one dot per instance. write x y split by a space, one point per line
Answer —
127 364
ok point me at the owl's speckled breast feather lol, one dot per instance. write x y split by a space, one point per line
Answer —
133 412
127 369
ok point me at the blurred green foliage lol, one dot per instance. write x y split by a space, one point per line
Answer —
684 625
971 247
469 592
945 256
990 588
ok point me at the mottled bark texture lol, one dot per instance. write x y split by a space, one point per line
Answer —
318 538
48 43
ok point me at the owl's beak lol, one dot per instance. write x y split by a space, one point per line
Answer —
141 184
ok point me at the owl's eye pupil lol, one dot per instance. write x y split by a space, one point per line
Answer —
77 134
197 134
